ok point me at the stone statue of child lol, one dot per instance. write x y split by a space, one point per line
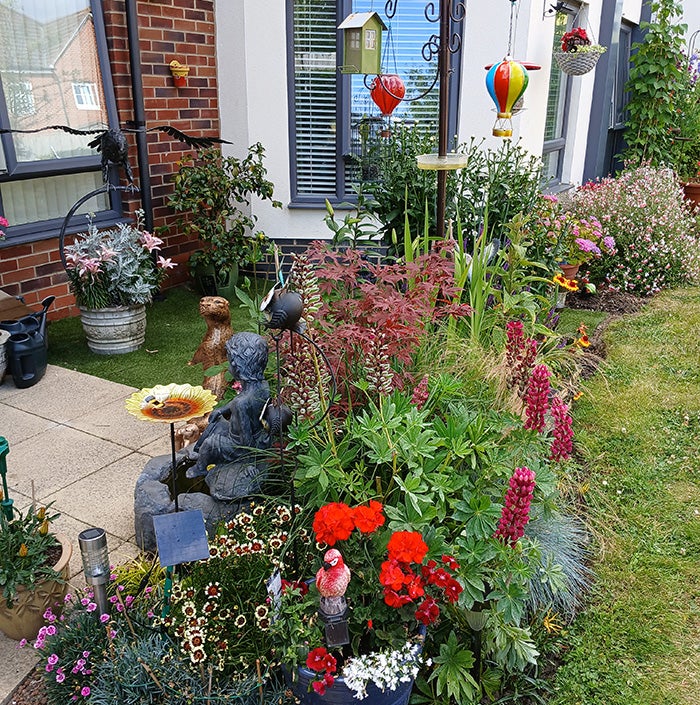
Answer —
234 431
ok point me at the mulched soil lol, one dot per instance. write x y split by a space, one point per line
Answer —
615 302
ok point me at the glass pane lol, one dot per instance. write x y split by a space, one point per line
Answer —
50 197
315 96
550 166
557 86
49 48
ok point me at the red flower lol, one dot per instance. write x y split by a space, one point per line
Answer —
296 585
452 590
316 660
328 680
319 687
450 562
369 519
333 522
407 547
439 577
393 599
330 663
392 575
427 611
370 624
414 588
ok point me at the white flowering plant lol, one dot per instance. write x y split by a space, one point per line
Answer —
115 267
220 611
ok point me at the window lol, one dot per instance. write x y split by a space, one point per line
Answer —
54 70
85 95
557 109
332 114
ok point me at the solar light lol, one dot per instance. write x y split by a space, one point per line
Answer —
93 548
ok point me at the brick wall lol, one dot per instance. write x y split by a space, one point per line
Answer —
168 29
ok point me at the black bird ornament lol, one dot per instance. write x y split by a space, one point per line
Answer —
114 148
283 310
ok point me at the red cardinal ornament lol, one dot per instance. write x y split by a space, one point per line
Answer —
332 580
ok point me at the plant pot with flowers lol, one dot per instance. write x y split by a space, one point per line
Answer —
113 274
578 55
33 570
358 634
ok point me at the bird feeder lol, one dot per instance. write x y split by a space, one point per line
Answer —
362 43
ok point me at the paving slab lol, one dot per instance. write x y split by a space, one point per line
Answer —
62 395
105 498
16 663
114 423
17 425
58 458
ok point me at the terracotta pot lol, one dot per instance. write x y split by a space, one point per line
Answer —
569 270
692 192
26 616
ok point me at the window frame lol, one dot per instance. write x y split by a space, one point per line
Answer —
17 171
343 194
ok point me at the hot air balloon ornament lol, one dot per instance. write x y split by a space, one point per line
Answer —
506 82
387 91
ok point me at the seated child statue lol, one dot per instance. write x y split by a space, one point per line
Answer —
234 431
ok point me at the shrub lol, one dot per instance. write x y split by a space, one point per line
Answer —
656 233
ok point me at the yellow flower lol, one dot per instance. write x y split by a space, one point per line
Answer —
41 512
169 403
551 623
583 342
44 528
564 283
23 550
577 396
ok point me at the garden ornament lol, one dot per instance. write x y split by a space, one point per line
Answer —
212 350
332 581
234 431
387 91
112 144
506 82
283 310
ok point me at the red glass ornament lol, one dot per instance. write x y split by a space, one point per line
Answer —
387 91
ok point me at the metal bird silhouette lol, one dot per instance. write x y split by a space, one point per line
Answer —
114 148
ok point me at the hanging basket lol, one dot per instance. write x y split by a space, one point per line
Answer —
576 63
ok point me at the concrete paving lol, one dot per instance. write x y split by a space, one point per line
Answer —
72 442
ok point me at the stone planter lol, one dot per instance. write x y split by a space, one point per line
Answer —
116 330
26 616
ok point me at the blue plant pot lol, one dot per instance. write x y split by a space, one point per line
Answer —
340 694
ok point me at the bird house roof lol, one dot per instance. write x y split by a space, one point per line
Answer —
360 19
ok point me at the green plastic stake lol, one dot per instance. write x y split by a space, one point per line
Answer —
6 503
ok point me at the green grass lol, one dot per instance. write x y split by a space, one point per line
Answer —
638 643
571 318
174 330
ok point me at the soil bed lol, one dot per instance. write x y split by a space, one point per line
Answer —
616 302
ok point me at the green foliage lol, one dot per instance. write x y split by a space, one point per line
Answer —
684 156
212 193
25 541
453 676
655 76
359 228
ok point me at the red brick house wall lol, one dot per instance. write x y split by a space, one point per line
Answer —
168 29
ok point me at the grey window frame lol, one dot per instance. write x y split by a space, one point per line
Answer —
343 194
15 171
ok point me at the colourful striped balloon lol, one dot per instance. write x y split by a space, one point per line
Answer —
506 82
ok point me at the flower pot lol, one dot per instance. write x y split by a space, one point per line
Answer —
570 270
26 616
691 189
340 694
575 63
115 330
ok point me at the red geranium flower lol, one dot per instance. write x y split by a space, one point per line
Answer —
330 663
427 611
407 547
333 522
319 687
316 660
392 576
393 599
415 587
450 562
369 519
453 590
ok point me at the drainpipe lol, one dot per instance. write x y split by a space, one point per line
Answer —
139 112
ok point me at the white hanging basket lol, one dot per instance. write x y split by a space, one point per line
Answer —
576 63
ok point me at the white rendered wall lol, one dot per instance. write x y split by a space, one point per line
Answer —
253 91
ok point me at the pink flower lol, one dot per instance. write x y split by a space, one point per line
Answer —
165 263
536 398
150 242
562 444
421 393
60 676
85 691
104 618
516 510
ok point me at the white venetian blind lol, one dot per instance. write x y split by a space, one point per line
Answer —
315 97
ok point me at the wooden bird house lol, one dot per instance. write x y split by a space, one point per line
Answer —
362 43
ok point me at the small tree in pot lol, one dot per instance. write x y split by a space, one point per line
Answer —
213 193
